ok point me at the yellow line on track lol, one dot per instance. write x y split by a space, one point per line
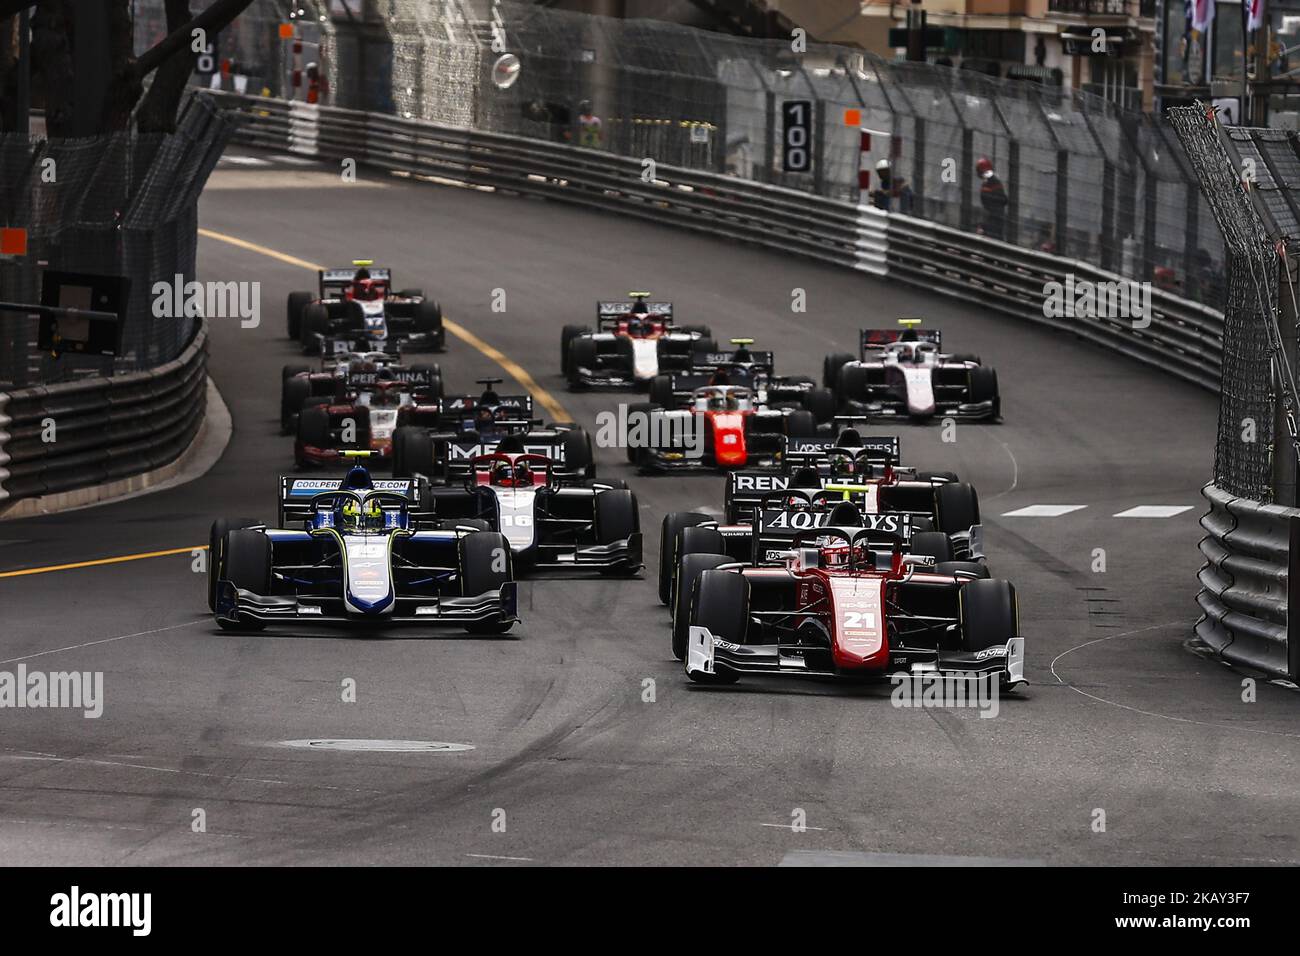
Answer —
99 561
512 368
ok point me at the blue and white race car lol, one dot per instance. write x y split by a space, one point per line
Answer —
360 552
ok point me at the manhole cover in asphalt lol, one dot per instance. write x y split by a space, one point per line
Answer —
379 746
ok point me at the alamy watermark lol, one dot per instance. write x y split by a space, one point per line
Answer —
83 690
627 428
1083 299
942 690
214 300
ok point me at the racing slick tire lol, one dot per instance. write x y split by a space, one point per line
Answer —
616 515
704 331
315 320
246 559
821 402
480 563
831 366
426 319
852 384
934 544
989 614
984 385
314 428
721 603
293 392
977 568
639 408
966 357
688 572
661 391
297 302
567 335
582 354
578 455
289 371
434 372
411 294
412 451
959 507
216 551
937 476
694 540
801 424
674 524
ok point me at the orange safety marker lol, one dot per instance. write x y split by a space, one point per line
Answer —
852 117
286 31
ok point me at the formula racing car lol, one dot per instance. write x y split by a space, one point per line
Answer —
846 601
359 552
905 374
362 413
633 341
361 302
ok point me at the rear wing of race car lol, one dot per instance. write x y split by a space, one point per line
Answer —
339 345
467 404
334 281
407 376
763 361
296 494
879 449
873 340
614 311
460 455
775 530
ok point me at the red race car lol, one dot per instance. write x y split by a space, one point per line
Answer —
847 602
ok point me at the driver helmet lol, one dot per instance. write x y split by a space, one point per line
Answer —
483 418
360 516
509 475
636 327
640 308
843 466
743 354
366 290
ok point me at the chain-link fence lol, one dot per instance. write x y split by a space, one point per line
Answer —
119 204
1081 178
1244 449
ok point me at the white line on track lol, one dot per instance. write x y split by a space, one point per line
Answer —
107 640
786 826
1149 713
1042 511
1153 511
489 856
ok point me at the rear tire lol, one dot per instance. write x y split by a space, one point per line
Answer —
578 455
673 525
314 427
687 572
426 319
934 544
412 451
800 424
821 402
582 354
298 301
293 392
661 391
852 384
315 320
636 409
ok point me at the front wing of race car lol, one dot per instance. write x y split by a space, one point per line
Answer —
706 652
236 605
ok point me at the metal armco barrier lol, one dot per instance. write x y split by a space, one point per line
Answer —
103 429
1244 595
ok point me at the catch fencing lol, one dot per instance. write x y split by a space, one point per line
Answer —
1083 178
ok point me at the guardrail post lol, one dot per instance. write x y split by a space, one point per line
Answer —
1192 232
769 144
1149 227
1013 193
1062 201
967 183
819 147
1108 242
918 167
1284 459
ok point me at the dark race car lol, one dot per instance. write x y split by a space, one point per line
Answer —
354 551
936 519
550 520
441 439
905 374
847 602
633 341
363 412
334 380
360 302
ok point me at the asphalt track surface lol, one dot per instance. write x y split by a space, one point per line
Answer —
1122 714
